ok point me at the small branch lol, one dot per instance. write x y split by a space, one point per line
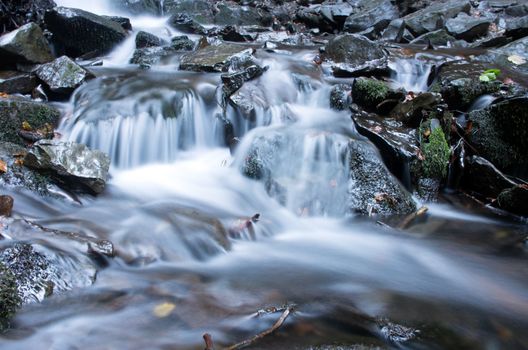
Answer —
267 332
411 217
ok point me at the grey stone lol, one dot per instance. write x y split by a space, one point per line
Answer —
433 17
12 82
63 75
217 58
466 27
144 39
26 44
377 15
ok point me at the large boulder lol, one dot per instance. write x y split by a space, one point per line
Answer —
217 58
145 39
434 16
354 55
63 75
77 32
227 14
466 27
484 178
70 162
16 13
202 11
25 44
514 56
323 173
514 200
500 134
377 15
15 111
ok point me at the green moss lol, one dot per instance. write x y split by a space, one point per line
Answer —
436 153
369 92
9 298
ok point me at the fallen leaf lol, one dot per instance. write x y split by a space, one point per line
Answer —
3 95
508 81
164 309
26 126
3 167
516 59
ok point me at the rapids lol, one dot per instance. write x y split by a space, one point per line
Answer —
176 193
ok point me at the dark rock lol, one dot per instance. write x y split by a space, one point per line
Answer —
63 75
6 205
345 177
377 16
12 82
312 17
368 93
247 100
514 56
517 10
434 16
217 58
122 21
144 39
514 200
150 56
71 162
436 38
18 176
15 111
460 85
9 298
340 97
236 34
398 144
16 13
409 6
234 81
484 178
140 7
186 24
500 133
201 11
227 14
394 31
182 43
25 44
411 111
78 32
355 55
517 28
466 27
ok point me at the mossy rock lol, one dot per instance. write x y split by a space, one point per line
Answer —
500 133
9 298
14 111
369 92
435 150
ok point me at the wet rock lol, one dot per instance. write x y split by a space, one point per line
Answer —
73 163
514 200
25 44
9 298
63 76
185 24
484 178
182 43
514 56
434 16
436 38
13 82
122 21
236 34
411 111
394 31
355 55
234 81
14 111
340 97
16 13
150 56
140 7
460 85
39 273
346 177
77 32
517 10
435 150
217 58
6 205
201 11
377 15
466 27
314 17
500 133
517 28
227 14
144 39
247 100
18 176
398 144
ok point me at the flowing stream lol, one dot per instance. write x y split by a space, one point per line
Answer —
175 209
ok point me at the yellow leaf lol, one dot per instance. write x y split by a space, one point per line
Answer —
164 309
516 59
3 166
26 126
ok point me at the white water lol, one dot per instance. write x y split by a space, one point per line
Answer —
410 74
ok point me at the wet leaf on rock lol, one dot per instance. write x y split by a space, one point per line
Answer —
164 309
3 167
516 59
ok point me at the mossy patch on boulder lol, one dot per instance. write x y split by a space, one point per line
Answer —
369 92
435 150
9 298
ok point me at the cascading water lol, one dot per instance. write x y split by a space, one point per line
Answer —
191 257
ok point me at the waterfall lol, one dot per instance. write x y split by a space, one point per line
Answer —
410 74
